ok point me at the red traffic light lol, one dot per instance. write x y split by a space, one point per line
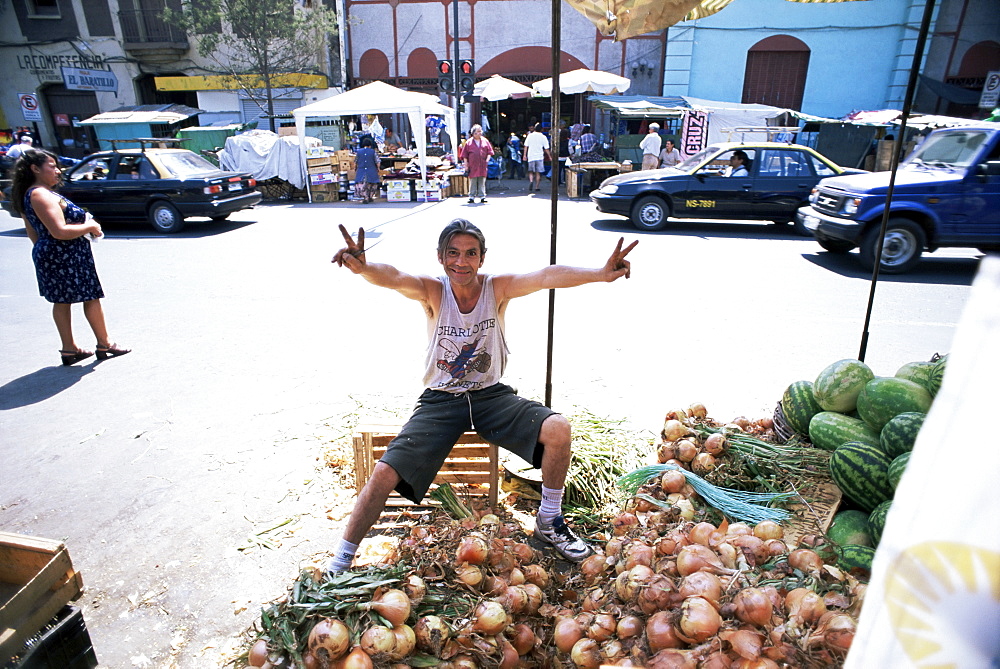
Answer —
466 67
444 67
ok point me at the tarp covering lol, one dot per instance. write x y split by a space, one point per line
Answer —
628 18
950 92
166 114
584 81
639 106
379 98
725 116
265 155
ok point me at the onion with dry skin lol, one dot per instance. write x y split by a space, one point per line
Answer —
697 410
602 627
672 481
753 606
586 654
696 557
673 429
804 604
406 641
472 549
378 641
835 630
623 522
393 605
415 589
806 560
535 573
431 633
356 659
509 658
469 574
629 626
745 643
258 653
768 529
715 444
566 633
699 620
686 450
523 638
660 632
329 639
490 617
628 583
657 596
701 584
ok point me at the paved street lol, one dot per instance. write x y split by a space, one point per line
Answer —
253 353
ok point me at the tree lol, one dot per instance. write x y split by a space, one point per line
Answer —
261 44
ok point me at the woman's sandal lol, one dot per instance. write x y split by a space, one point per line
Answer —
112 351
73 357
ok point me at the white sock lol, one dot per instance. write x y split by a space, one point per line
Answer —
551 505
343 556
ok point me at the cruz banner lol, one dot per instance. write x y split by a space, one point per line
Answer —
76 79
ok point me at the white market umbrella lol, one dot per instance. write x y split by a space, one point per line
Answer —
584 81
500 88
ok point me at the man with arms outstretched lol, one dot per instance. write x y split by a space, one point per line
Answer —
466 357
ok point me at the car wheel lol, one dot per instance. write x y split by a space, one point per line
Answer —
220 218
835 245
165 218
904 242
650 213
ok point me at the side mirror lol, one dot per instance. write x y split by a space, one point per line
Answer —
988 169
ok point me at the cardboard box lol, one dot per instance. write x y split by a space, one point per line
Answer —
429 195
346 165
324 178
324 196
37 580
320 169
398 184
317 162
398 195
342 154
314 152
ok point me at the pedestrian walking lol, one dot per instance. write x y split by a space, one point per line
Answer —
536 152
475 154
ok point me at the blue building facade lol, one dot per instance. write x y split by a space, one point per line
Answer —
826 59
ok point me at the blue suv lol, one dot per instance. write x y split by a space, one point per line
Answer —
946 194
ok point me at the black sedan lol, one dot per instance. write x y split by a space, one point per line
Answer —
773 181
162 186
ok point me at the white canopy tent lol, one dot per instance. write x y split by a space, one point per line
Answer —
378 98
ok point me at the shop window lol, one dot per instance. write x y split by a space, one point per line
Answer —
48 9
776 72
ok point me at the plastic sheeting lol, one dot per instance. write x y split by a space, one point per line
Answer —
934 595
265 155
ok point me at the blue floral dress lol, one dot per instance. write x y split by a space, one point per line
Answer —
65 268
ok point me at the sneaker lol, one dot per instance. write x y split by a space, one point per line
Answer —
563 539
482 201
471 201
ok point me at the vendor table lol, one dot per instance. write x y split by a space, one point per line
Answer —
589 176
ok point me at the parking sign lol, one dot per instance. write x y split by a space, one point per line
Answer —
29 106
990 97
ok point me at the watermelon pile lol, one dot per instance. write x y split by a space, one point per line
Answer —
870 423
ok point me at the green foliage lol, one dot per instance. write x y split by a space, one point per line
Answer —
255 40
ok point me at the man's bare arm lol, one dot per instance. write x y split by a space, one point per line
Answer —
383 275
510 286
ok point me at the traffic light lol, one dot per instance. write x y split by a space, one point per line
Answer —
466 76
446 78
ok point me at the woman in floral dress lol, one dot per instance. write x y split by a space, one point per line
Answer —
64 263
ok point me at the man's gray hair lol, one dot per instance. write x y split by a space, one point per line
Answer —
457 227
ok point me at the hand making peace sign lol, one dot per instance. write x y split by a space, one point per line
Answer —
353 255
617 265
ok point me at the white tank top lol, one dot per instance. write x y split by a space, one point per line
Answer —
465 351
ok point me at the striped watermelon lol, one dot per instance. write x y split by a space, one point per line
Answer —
936 375
885 397
850 527
876 521
900 433
837 387
799 405
918 372
829 429
896 469
862 473
856 557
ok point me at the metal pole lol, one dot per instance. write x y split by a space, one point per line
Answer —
554 150
454 72
911 85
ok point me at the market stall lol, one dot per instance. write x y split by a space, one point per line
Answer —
377 98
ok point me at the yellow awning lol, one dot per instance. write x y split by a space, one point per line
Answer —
229 82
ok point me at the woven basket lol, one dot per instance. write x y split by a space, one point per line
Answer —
782 429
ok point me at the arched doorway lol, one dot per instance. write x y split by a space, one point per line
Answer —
373 65
981 59
776 72
421 63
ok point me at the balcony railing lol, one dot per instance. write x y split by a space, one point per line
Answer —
146 26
